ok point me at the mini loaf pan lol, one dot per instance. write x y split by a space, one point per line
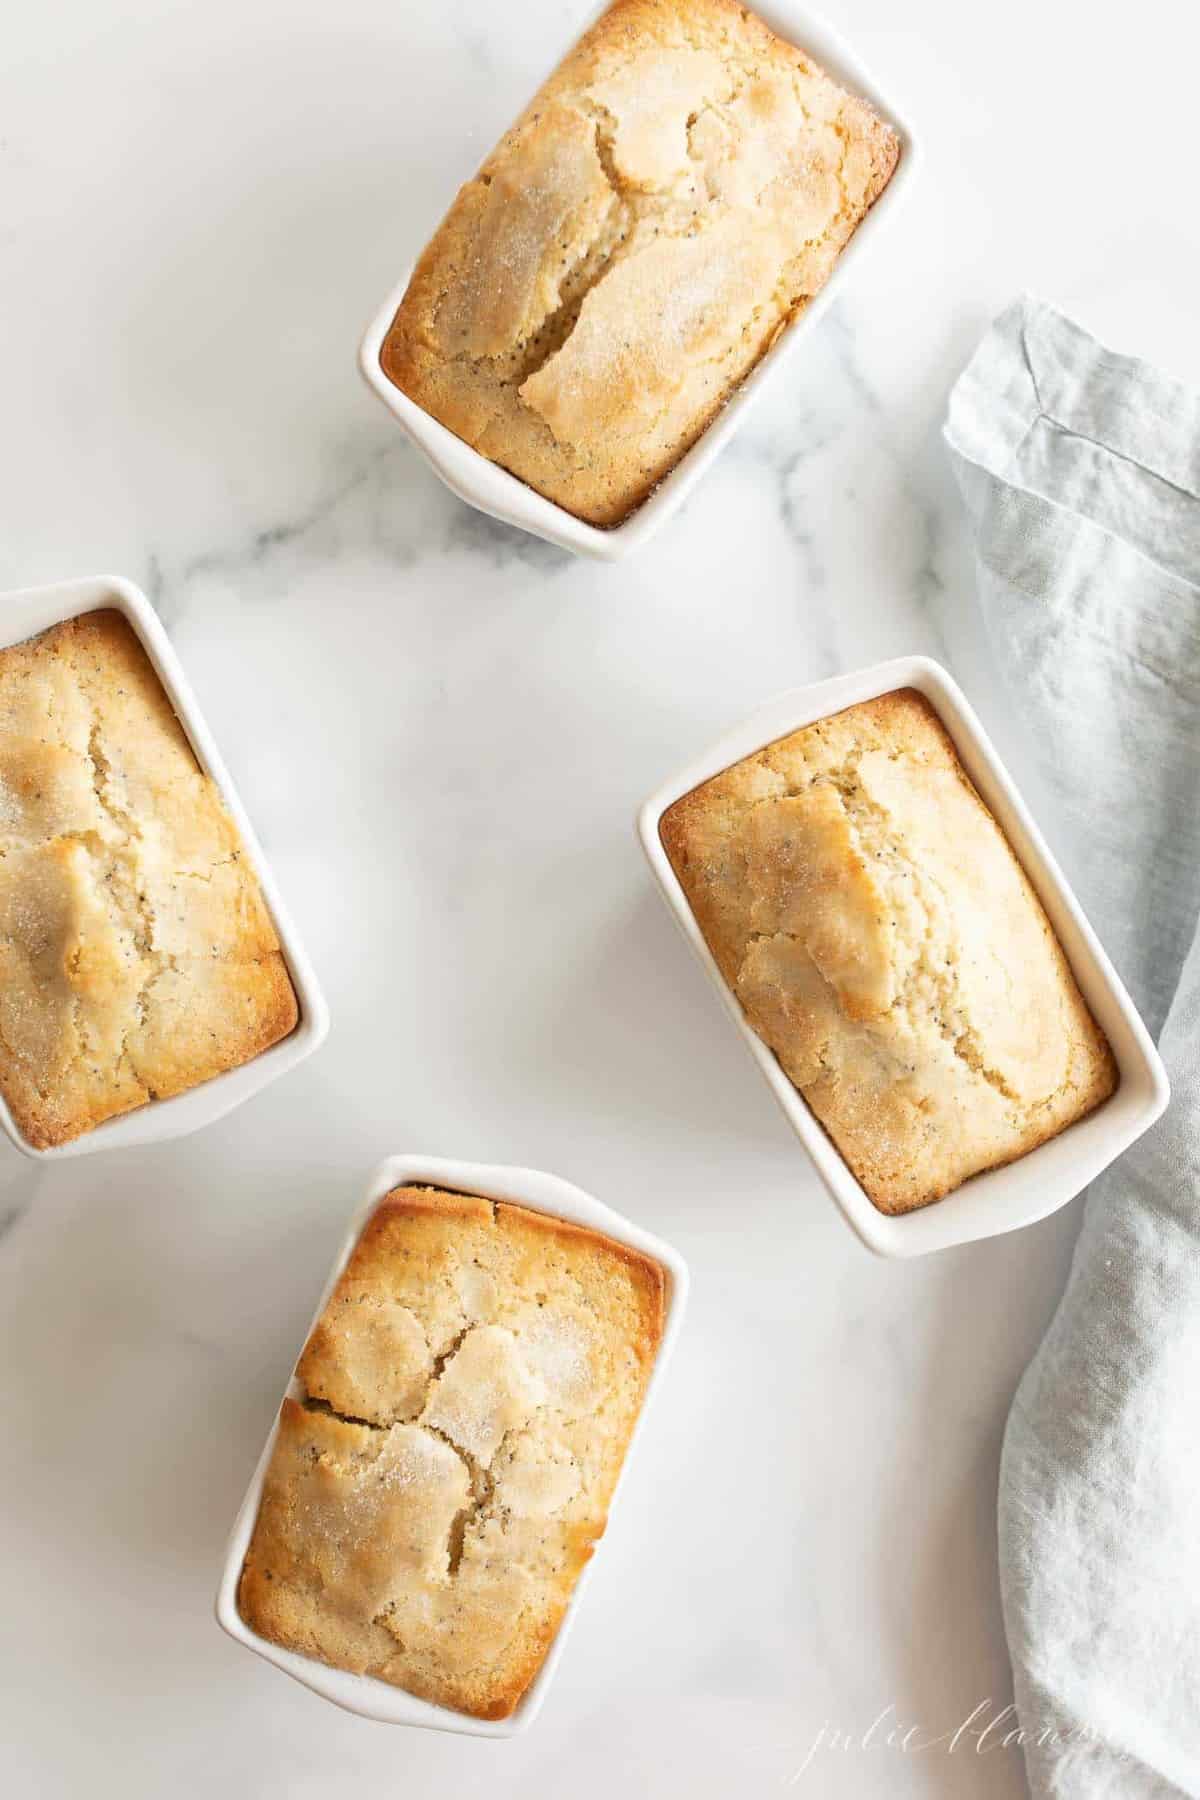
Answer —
366 1694
24 613
1038 1183
485 485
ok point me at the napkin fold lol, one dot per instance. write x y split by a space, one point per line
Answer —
1080 471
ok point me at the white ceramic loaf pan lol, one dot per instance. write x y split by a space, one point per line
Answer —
27 611
493 490
364 1694
1037 1184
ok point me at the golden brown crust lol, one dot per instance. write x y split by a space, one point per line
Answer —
881 937
671 199
137 956
469 1394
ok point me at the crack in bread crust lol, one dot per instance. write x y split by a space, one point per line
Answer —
482 1485
877 838
124 851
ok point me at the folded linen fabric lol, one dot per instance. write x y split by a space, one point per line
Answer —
1081 474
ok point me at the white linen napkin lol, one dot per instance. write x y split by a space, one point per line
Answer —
1081 474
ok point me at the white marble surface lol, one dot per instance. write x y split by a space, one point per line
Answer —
442 730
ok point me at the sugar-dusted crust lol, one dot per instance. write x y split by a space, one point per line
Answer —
470 1391
671 199
137 957
881 937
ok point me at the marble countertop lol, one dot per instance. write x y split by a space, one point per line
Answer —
441 729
